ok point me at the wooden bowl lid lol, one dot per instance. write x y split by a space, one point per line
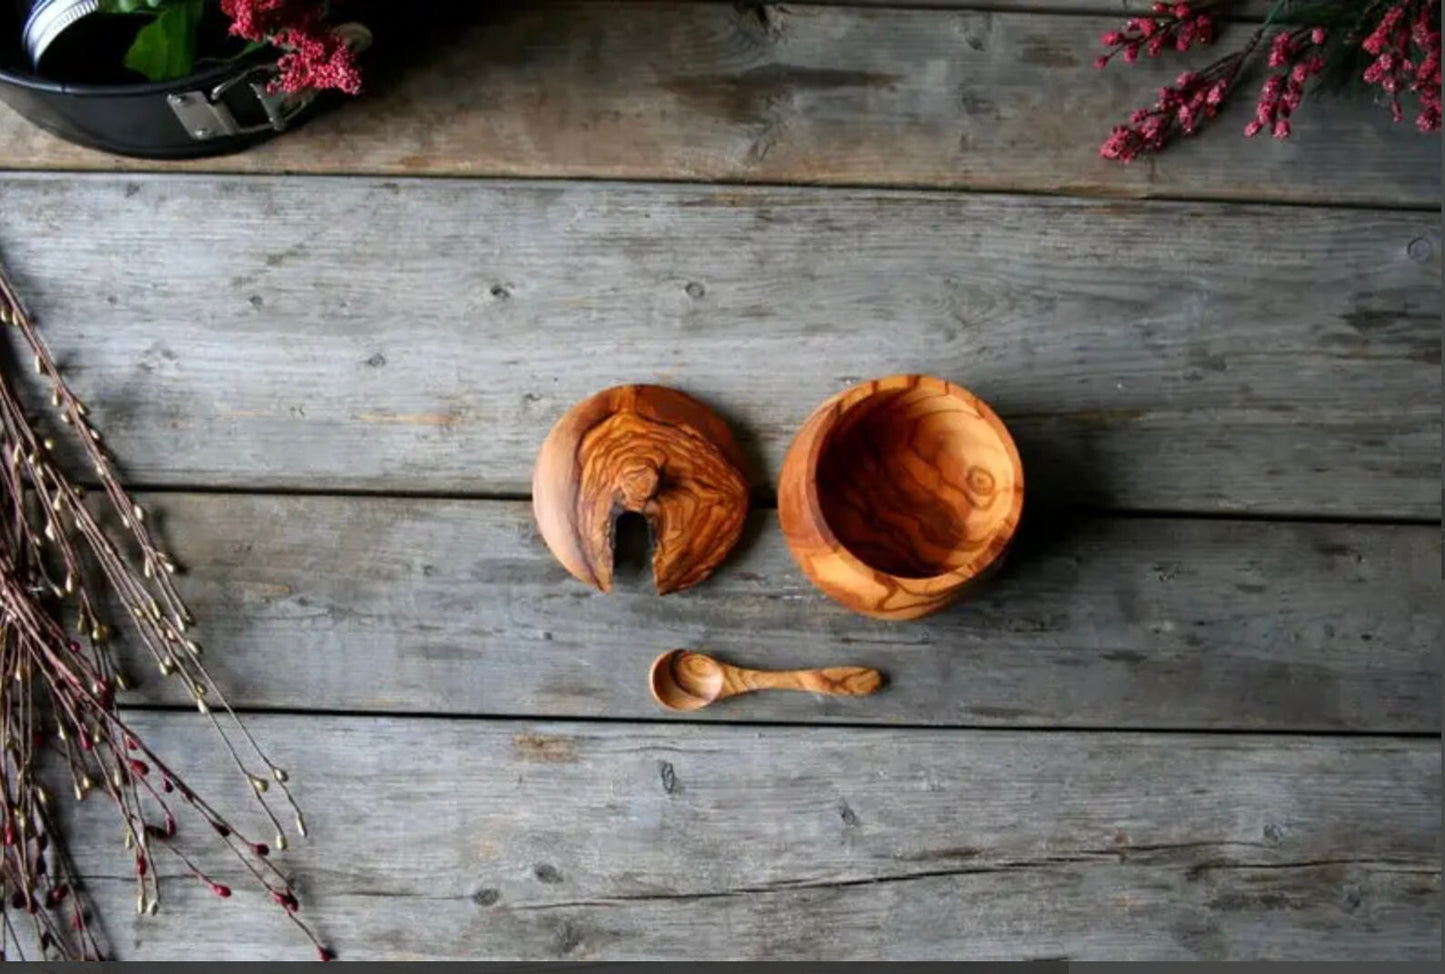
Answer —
650 450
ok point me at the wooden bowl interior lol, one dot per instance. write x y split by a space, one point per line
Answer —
917 483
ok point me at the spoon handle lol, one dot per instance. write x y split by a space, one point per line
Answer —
843 681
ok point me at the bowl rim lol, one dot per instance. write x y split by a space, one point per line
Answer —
131 89
828 416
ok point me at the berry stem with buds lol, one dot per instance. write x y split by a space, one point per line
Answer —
59 679
1390 45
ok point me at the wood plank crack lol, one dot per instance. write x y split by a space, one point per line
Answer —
1014 866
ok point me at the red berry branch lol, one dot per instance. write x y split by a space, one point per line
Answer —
1405 45
1399 38
1174 27
1181 107
59 568
1298 52
316 58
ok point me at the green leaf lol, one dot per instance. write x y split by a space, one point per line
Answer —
165 48
135 6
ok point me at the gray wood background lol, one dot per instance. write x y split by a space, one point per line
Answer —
1198 714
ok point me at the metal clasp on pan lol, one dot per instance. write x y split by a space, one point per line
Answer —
205 116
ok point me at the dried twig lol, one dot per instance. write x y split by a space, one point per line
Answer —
59 679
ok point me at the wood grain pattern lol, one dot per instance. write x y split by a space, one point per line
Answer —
420 336
414 335
485 839
652 451
391 604
803 93
899 493
687 680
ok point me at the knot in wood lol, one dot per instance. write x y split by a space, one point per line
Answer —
637 485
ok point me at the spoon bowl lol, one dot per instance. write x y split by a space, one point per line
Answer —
684 680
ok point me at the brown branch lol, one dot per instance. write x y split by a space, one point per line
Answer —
58 687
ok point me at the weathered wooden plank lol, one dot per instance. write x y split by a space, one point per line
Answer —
502 839
815 94
423 335
1245 9
371 604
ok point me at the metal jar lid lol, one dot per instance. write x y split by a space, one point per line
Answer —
49 19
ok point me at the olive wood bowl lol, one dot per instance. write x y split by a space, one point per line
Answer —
899 493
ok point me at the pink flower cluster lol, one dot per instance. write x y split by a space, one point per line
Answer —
1192 98
1176 26
316 60
1396 69
316 57
1402 37
1299 52
256 20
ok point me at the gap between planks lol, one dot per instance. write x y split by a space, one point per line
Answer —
505 181
763 499
764 722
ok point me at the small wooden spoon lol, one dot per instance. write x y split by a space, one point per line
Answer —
685 680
